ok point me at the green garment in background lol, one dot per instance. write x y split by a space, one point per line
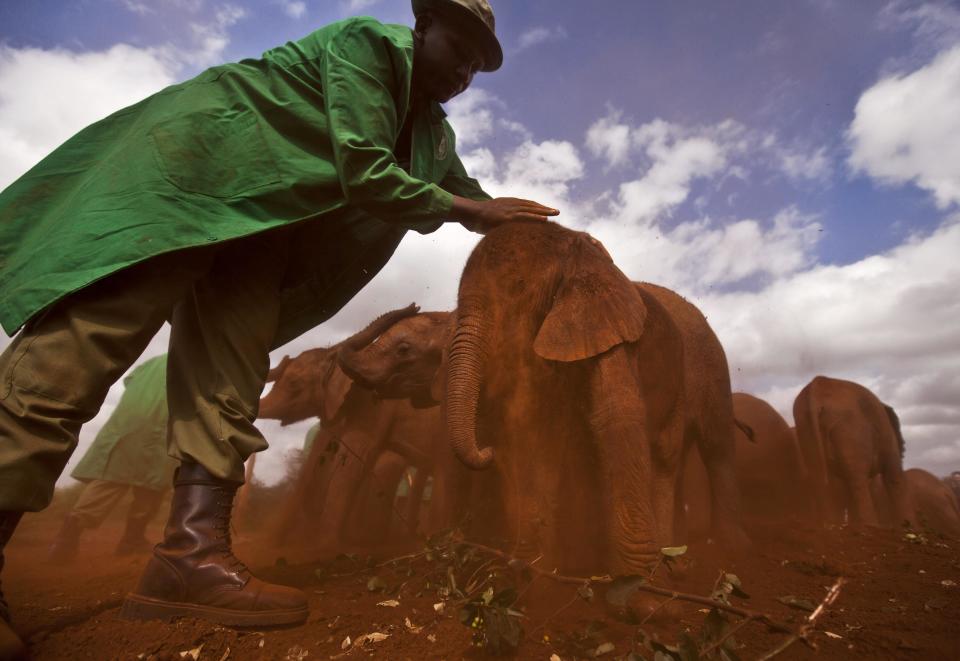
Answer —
310 438
131 448
306 133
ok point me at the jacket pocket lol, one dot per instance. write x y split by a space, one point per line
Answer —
219 154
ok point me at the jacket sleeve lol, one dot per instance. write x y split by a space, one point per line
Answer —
458 182
360 84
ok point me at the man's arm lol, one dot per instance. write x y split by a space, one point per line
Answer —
359 86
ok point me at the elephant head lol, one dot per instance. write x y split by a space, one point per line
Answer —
312 384
304 387
532 293
404 360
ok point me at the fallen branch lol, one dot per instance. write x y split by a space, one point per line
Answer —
717 644
810 624
651 589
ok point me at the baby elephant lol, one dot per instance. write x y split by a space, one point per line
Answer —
581 389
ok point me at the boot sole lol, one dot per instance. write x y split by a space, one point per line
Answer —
138 607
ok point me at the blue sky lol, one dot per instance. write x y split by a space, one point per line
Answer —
792 166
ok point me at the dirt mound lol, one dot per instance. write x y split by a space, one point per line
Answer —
901 600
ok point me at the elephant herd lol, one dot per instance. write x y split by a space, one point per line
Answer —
565 412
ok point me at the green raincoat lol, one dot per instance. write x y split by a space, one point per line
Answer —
306 133
131 448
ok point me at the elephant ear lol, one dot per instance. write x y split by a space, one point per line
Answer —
438 386
335 388
595 309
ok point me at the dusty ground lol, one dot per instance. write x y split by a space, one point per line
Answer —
902 601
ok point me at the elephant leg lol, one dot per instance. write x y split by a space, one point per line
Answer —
530 509
896 488
681 532
352 468
862 510
717 452
448 494
665 507
415 501
836 502
373 512
618 421
668 469
852 449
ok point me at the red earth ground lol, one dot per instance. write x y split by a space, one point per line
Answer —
901 601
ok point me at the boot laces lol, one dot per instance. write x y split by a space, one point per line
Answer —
222 526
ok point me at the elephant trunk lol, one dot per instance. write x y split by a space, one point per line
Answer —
349 348
468 356
276 372
270 408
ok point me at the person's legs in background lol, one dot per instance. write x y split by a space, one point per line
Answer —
96 501
143 508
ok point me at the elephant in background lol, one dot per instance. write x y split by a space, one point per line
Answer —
770 469
953 482
847 437
932 502
404 362
347 459
583 390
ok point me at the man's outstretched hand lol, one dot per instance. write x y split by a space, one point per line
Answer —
482 216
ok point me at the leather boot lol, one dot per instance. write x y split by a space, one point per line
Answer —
11 647
67 542
134 540
193 571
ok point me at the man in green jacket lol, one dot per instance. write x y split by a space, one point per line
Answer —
129 455
246 206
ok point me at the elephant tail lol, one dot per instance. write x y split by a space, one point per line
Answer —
895 423
746 429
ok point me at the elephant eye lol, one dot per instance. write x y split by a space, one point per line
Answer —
403 349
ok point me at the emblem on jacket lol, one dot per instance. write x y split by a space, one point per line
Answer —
442 146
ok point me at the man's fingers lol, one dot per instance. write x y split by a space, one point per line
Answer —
527 216
536 207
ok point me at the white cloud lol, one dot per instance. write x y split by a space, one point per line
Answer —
138 7
294 9
697 256
48 95
472 116
935 25
539 35
675 156
477 115
812 165
211 37
906 128
609 138
889 321
354 6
